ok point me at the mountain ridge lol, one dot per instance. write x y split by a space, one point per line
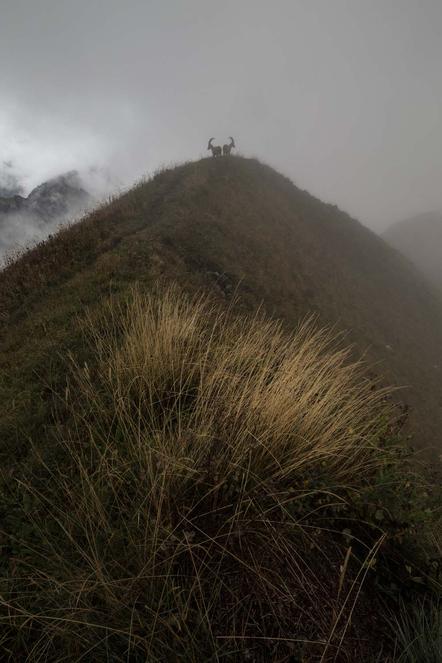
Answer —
247 234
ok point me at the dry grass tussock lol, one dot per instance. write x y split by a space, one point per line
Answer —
199 505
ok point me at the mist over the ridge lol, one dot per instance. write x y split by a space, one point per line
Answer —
9 181
344 97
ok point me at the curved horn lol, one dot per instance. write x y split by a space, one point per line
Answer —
232 141
210 143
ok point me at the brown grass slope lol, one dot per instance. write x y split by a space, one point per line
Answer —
212 471
233 227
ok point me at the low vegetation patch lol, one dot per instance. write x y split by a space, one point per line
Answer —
218 490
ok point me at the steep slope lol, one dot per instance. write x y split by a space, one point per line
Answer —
420 239
246 234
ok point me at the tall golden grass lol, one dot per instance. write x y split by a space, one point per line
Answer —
186 513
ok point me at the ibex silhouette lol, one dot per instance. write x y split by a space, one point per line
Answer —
216 149
227 148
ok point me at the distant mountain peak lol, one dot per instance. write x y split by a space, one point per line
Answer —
56 196
25 220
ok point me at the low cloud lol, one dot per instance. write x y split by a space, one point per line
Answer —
342 97
10 184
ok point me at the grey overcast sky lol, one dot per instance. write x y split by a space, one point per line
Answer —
343 96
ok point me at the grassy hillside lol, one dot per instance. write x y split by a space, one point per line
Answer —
420 240
227 226
183 478
212 488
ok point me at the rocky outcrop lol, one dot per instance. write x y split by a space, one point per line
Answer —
24 220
